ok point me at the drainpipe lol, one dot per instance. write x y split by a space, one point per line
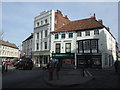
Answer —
75 61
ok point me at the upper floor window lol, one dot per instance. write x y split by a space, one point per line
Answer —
41 22
79 34
41 34
68 48
96 32
63 36
38 35
37 24
46 33
56 36
87 33
45 45
70 35
37 46
46 21
58 48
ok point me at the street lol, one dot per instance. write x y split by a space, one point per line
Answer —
24 79
34 79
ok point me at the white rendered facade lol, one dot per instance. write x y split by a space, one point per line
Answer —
7 52
106 45
27 46
43 25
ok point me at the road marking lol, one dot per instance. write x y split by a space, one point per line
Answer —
89 73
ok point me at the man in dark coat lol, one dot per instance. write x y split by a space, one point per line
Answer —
116 65
57 68
50 68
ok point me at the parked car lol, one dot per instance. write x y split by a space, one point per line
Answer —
25 64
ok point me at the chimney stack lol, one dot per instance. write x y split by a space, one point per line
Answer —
108 28
94 17
100 21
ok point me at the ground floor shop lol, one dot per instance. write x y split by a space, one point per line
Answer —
89 61
41 59
67 60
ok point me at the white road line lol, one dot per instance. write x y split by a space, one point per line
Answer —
89 73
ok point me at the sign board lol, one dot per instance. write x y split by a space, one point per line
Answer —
63 55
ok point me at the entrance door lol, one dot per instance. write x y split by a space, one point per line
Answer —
88 61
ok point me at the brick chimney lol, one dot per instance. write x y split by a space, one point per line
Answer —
100 21
66 17
94 17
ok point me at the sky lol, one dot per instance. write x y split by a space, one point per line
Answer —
18 17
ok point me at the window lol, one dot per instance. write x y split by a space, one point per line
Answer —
41 34
86 44
96 32
37 35
68 48
57 48
45 45
94 44
37 24
63 36
70 35
79 34
87 33
41 45
45 33
37 46
41 22
56 36
45 20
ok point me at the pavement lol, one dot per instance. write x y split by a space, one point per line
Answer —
68 77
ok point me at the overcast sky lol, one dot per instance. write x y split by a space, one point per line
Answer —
18 17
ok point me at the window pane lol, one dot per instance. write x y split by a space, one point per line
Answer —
56 36
68 47
70 35
87 33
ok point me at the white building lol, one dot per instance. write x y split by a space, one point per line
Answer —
44 23
84 42
27 46
8 51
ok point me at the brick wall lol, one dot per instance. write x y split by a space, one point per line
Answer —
60 20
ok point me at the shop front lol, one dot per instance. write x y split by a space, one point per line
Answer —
67 60
89 61
41 58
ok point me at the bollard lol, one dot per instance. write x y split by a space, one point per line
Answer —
83 72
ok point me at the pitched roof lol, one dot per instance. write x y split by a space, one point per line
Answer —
30 37
84 24
6 43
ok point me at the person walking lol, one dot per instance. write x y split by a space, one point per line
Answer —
50 68
57 68
116 66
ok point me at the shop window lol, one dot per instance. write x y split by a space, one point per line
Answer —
86 45
68 48
57 48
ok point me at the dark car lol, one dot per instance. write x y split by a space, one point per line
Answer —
25 64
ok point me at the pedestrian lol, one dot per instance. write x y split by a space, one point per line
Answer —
57 68
116 66
50 68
